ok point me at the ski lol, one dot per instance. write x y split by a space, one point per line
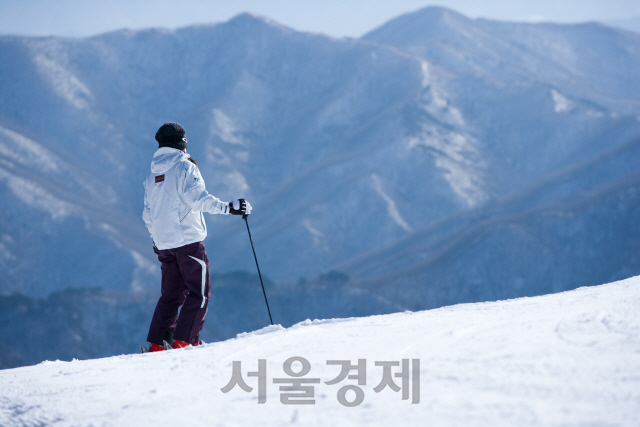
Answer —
143 349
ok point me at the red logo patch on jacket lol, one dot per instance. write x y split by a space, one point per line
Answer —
159 178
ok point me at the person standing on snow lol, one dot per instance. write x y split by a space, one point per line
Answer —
175 198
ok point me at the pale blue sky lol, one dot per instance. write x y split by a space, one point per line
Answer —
334 17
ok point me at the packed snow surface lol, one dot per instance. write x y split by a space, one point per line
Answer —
567 359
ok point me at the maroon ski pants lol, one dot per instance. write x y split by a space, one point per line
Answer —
186 283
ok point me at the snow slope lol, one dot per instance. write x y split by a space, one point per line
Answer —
564 359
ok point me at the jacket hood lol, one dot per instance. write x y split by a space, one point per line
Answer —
165 157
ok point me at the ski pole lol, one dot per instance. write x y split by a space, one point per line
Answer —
256 258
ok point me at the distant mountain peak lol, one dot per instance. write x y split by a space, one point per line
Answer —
244 21
430 18
249 20
436 12
432 21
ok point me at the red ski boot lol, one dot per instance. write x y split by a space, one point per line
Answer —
155 347
182 344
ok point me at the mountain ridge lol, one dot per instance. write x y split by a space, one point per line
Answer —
431 116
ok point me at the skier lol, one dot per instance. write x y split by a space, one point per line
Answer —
174 199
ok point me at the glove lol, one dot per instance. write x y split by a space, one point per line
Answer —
239 207
155 249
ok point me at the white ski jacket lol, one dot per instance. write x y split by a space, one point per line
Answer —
174 199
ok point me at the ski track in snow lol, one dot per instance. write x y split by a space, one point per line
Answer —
565 359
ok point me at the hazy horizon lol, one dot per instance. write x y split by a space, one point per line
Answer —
354 18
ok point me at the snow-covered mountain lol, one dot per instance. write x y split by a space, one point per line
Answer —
566 359
590 62
329 138
300 124
562 208
439 159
